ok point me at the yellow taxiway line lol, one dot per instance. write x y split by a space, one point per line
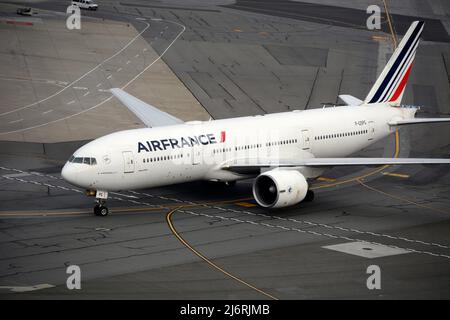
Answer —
208 261
391 26
397 175
118 209
371 173
402 199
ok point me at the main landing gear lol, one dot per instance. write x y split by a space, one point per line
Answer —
230 183
309 196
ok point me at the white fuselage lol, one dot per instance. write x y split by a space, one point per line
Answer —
150 157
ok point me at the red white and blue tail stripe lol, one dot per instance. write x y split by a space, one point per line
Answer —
391 83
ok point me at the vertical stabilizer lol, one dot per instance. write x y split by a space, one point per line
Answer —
390 85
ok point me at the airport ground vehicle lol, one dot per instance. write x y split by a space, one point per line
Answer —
85 4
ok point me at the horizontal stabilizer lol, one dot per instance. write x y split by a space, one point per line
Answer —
350 100
149 115
417 121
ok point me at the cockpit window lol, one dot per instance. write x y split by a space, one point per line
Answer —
77 160
85 160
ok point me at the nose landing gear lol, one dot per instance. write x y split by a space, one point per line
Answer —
100 208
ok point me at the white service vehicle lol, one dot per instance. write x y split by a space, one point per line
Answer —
85 4
284 151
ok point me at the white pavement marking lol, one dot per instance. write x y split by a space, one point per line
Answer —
84 95
120 69
366 249
259 222
274 226
322 225
110 97
71 189
17 175
98 84
27 289
30 173
82 76
124 195
80 88
48 111
136 56
109 77
102 229
15 121
71 102
128 62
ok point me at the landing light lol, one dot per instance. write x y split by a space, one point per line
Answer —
91 193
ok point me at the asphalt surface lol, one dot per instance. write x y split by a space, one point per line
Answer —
239 62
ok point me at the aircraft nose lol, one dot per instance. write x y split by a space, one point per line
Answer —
69 174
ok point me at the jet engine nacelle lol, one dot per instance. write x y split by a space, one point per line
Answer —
279 188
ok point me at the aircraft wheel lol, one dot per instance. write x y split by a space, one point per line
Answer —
103 211
309 196
100 210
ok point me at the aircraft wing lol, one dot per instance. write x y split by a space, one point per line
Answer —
417 120
251 166
149 115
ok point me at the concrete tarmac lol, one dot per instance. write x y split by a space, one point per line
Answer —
229 61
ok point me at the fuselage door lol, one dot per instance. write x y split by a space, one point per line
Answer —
128 162
371 135
306 143
196 154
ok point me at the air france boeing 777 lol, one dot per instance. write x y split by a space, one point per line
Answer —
284 151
